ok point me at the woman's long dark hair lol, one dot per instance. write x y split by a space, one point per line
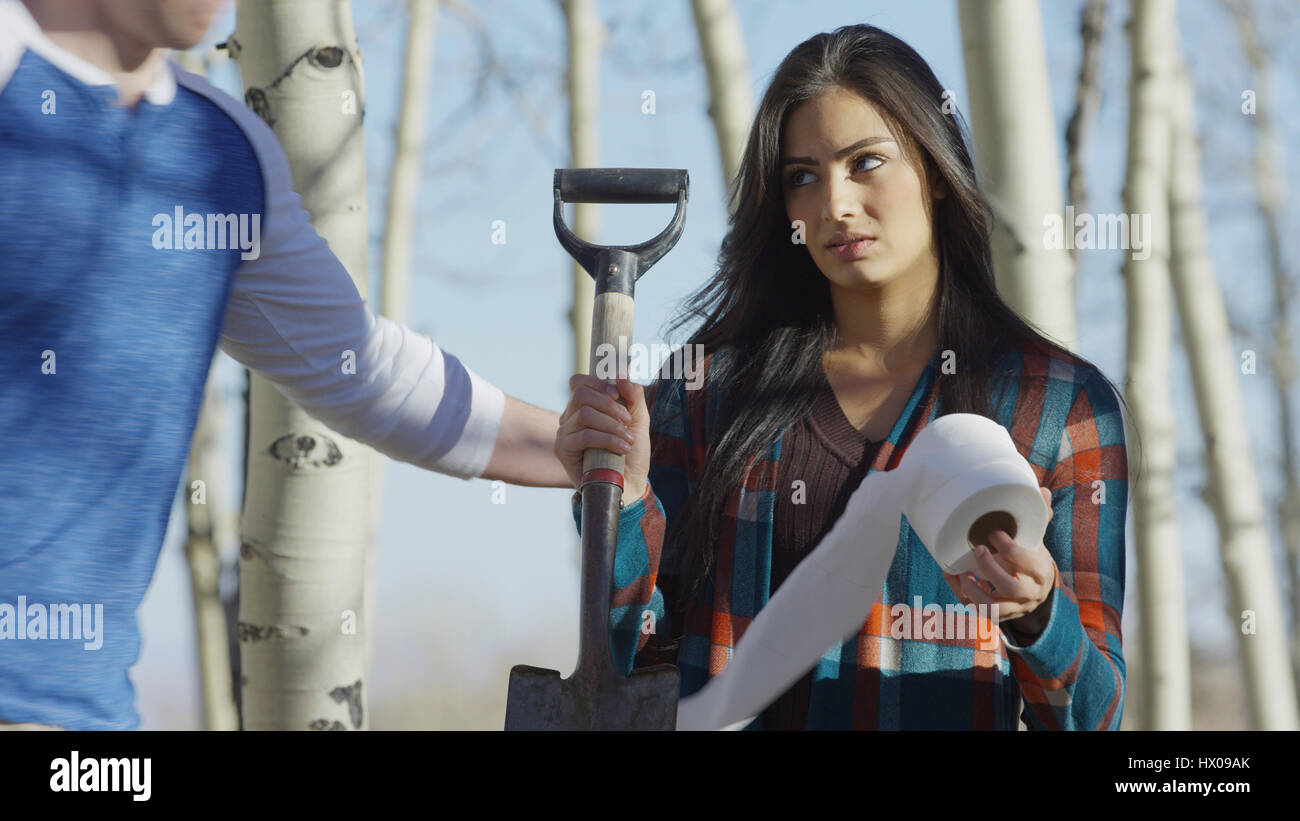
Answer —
771 305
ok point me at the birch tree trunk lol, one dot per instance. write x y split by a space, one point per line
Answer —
403 196
586 37
306 528
404 179
731 104
193 61
1016 154
1270 182
1161 593
1087 99
209 520
1237 501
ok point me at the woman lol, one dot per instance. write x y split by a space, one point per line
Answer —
854 302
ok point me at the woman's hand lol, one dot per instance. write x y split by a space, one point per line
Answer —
595 419
1017 579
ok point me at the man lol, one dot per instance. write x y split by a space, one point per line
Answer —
105 340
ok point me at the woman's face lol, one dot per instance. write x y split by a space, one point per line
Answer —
843 173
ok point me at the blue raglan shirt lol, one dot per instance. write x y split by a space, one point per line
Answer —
106 342
94 449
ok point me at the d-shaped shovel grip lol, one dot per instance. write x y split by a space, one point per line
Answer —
616 268
620 185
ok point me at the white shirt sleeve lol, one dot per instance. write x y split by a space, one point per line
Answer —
294 315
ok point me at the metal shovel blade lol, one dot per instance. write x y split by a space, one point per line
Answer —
540 700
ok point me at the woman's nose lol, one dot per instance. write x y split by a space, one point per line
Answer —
839 203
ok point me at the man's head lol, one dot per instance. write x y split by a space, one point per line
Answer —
174 24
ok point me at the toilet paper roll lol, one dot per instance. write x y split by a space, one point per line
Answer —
961 471
967 481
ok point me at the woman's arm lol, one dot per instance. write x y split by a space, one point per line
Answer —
1072 674
637 610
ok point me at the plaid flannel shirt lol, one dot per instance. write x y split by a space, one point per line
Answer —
1064 419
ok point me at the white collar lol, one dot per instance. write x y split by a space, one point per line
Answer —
16 23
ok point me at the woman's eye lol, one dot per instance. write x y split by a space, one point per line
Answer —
794 177
879 162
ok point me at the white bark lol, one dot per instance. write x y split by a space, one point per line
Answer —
193 61
403 191
209 529
1270 182
404 179
1161 592
1237 501
1087 99
731 104
586 37
1016 149
306 528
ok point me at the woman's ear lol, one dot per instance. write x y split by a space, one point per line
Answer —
938 188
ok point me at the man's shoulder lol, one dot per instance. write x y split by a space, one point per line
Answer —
259 135
16 33
282 220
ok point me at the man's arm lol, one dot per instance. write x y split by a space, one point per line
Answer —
525 448
295 316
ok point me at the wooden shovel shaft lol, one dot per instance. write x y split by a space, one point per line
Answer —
611 325
611 332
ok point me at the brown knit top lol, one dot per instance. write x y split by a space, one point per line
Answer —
831 457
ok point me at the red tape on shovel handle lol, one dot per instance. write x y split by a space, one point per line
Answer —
602 475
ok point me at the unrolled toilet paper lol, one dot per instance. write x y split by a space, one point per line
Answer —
961 470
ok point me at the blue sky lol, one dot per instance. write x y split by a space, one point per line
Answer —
465 587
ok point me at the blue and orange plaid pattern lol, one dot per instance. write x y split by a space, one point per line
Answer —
1064 419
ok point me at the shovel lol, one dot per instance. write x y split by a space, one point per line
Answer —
597 696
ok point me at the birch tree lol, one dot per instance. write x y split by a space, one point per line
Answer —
586 36
209 529
1016 153
209 526
1161 602
1087 99
404 178
306 529
399 233
731 104
1254 602
193 60
1270 183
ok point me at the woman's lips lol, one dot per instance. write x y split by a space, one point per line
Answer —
852 250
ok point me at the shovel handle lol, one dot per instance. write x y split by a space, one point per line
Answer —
620 185
602 484
611 335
